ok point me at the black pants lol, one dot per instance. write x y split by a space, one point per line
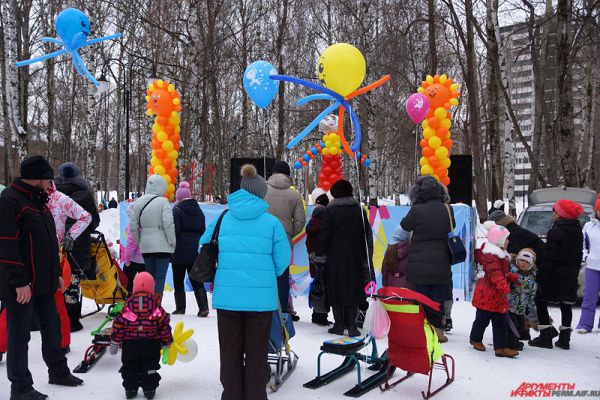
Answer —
130 272
566 313
18 321
179 271
243 346
436 293
519 321
141 362
283 288
482 320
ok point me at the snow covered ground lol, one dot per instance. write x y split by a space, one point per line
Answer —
477 374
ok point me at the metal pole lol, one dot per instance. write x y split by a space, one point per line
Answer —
127 135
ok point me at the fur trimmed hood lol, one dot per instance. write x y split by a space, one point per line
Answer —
492 249
343 201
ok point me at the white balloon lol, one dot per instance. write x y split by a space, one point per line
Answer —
316 193
192 347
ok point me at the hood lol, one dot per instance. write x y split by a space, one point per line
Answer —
426 188
70 185
142 305
156 185
494 250
189 207
245 205
280 181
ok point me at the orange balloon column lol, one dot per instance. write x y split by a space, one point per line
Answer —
442 94
164 102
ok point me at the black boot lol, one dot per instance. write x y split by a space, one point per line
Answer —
149 394
179 303
545 339
66 380
448 325
350 314
31 395
564 338
74 313
338 318
320 319
131 394
202 301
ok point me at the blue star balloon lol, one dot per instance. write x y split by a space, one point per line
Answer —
72 28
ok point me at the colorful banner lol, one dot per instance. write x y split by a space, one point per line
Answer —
383 220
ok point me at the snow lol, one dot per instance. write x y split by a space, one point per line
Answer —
109 226
477 373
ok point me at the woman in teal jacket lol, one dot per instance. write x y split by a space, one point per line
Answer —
253 251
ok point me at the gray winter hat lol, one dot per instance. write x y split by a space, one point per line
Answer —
252 182
497 215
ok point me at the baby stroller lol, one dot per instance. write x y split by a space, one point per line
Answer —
104 282
282 360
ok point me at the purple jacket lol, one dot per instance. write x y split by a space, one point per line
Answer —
132 250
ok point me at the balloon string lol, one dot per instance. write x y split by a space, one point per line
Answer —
416 150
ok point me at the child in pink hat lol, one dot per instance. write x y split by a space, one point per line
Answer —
492 292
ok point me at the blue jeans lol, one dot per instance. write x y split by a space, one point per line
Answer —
157 267
436 293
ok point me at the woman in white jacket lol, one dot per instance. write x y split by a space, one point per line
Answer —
591 253
152 227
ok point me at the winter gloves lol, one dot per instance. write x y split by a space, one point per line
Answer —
67 243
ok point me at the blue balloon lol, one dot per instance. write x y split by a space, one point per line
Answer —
367 162
306 158
257 84
314 150
298 165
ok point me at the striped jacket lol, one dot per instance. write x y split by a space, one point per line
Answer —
142 319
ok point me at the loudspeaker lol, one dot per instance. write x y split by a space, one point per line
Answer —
259 163
461 179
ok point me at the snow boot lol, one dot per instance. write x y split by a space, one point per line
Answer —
448 325
131 394
31 395
554 332
66 380
564 338
545 339
74 313
179 303
338 318
149 394
440 334
350 321
202 302
478 346
506 352
320 319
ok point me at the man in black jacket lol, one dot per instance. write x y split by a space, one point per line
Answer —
73 185
29 277
520 238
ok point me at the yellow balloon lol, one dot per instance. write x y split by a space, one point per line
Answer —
441 152
160 170
435 142
167 178
167 145
155 161
325 151
341 68
446 123
440 113
428 133
427 170
423 161
172 155
162 136
446 162
425 123
156 128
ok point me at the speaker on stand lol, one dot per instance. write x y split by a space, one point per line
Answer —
260 163
461 179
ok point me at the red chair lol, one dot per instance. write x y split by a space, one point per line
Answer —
412 341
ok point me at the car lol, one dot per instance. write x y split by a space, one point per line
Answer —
537 217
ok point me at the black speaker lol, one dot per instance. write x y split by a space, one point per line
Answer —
461 179
260 163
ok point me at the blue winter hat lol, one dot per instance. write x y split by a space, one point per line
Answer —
69 170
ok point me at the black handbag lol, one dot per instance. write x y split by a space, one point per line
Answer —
456 247
205 266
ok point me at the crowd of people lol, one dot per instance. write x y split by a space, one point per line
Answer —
45 253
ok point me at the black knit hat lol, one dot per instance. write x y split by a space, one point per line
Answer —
341 188
69 170
281 167
36 167
322 200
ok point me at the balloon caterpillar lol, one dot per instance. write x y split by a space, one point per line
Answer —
73 28
164 102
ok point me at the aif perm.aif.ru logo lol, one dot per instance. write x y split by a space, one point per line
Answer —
550 389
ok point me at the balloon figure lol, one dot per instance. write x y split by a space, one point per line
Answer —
257 84
72 28
183 348
442 94
164 102
341 69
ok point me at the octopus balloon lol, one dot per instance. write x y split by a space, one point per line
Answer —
72 28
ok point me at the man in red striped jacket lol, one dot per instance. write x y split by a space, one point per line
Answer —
29 277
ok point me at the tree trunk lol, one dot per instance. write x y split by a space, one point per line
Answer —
280 66
92 130
432 37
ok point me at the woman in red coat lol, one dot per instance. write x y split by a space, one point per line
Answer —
492 292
